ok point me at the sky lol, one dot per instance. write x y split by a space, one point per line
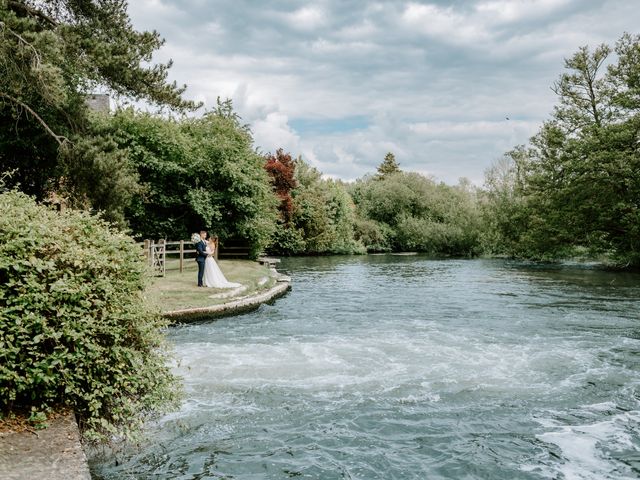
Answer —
448 87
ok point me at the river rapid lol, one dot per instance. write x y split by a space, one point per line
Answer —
406 367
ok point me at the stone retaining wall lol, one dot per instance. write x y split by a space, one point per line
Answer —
233 307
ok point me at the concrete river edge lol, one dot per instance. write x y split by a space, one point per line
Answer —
233 307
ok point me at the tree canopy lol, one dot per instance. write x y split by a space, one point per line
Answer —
54 53
576 186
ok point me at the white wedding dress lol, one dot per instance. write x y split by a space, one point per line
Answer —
213 276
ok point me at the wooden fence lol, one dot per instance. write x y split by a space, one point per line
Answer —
156 253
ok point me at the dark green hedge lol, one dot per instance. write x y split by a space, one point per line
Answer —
74 328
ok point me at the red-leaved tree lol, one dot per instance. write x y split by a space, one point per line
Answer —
281 168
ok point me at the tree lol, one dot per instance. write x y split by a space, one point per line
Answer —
412 212
579 178
324 213
504 207
51 55
388 166
321 215
281 169
625 74
194 174
583 91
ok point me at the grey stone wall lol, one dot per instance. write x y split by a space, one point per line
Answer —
99 102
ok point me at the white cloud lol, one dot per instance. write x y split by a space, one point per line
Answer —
507 11
445 24
469 130
364 30
306 18
432 80
273 132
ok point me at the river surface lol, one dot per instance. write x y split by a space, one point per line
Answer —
405 367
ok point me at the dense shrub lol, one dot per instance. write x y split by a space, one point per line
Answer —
322 214
408 211
74 329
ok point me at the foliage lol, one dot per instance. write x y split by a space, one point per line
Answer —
408 211
281 169
503 206
578 181
388 166
322 218
97 174
196 174
74 329
324 213
51 55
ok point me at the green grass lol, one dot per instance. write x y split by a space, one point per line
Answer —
176 291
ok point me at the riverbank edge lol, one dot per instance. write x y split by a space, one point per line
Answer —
234 307
54 453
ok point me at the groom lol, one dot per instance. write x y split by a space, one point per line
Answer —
201 255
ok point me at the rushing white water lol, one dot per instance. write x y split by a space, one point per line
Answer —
405 367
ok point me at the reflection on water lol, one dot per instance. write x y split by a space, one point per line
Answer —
409 367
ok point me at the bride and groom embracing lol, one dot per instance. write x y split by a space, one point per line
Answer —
209 274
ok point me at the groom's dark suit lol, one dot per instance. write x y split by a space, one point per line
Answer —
201 258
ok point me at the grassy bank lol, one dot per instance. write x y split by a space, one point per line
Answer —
177 290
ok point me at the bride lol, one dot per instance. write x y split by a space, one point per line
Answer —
213 276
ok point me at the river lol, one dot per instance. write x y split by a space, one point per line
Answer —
406 367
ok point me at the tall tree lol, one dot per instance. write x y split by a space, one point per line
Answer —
584 91
580 188
195 173
388 166
53 53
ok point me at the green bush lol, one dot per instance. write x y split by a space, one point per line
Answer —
408 211
323 214
375 236
74 328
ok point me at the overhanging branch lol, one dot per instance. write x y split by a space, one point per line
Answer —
32 11
25 42
61 139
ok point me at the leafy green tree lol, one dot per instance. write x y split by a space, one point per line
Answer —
503 205
194 174
412 212
583 91
322 217
625 74
578 181
388 166
324 212
97 174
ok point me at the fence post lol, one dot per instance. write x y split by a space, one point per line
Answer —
163 252
181 255
152 252
146 250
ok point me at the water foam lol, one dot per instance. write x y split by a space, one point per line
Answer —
588 451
